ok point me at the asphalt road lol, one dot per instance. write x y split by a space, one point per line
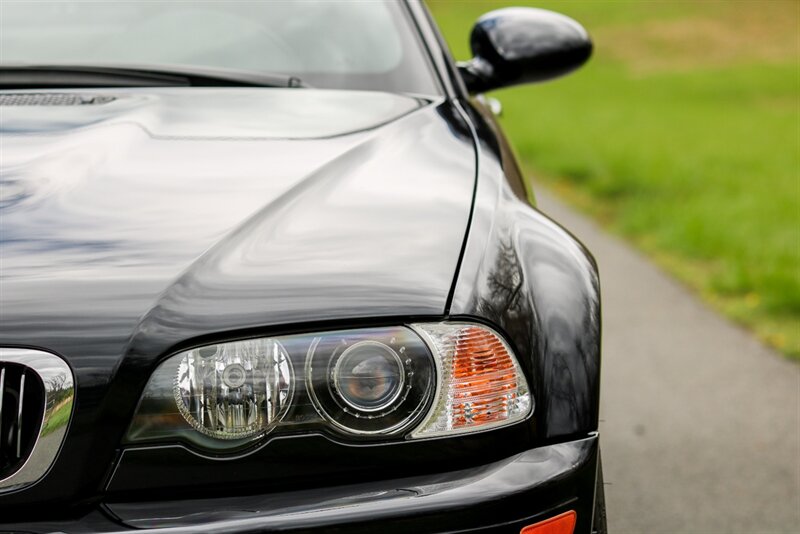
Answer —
700 423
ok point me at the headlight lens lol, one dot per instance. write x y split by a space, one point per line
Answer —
235 390
371 385
368 376
411 382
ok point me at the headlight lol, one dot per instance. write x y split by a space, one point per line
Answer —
370 382
410 382
368 376
235 390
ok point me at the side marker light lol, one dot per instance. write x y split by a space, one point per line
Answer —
560 524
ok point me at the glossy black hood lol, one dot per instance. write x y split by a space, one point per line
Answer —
225 209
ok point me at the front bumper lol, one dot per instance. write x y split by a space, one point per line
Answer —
503 496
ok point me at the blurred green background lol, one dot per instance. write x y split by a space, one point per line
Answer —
681 134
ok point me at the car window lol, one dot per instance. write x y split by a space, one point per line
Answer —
332 44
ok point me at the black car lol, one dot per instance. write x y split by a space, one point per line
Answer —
272 267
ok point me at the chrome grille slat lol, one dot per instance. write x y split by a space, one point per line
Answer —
20 405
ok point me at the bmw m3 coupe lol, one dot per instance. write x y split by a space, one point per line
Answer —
272 266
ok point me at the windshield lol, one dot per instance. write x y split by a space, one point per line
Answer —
367 45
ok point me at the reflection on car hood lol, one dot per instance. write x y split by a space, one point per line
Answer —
193 211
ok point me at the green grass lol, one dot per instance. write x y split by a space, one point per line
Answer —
682 134
60 417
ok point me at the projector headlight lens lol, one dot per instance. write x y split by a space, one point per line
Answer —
371 382
368 376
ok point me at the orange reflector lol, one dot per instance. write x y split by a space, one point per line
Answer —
560 524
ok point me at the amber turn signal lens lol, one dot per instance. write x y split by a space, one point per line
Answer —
481 383
560 524
484 378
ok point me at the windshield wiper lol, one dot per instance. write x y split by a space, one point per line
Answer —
63 76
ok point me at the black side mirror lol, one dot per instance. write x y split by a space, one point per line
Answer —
519 45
